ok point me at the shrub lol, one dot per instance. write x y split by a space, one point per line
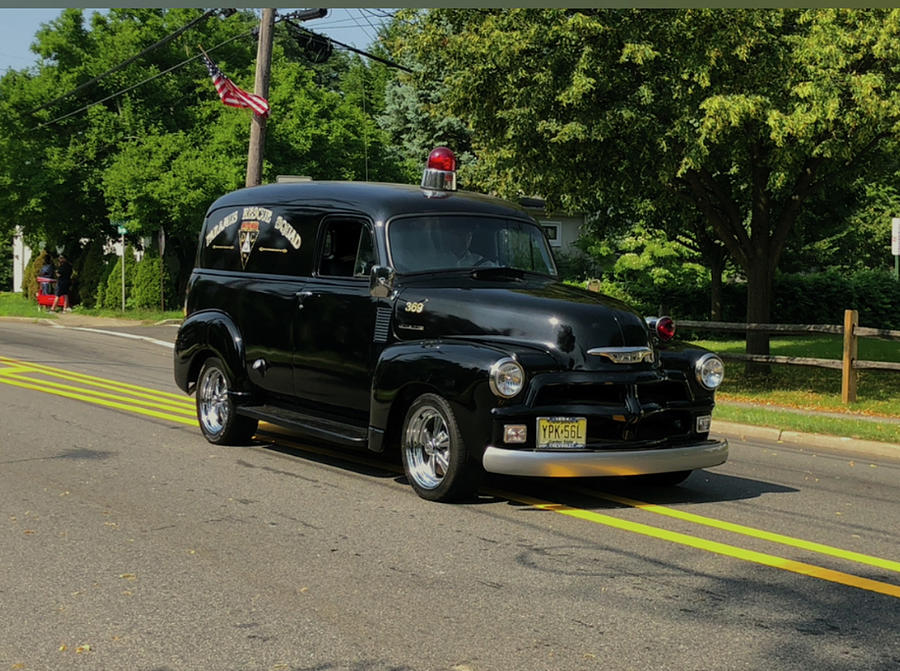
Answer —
148 288
91 268
31 273
798 298
111 293
6 267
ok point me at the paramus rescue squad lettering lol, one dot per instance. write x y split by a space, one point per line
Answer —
288 232
256 213
229 220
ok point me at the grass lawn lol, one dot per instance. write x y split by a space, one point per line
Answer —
813 389
16 305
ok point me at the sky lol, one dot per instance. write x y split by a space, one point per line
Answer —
18 26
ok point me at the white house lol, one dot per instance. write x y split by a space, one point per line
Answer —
562 229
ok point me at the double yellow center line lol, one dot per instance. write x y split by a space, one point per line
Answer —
180 409
725 549
97 390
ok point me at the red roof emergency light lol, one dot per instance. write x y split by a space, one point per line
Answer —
440 170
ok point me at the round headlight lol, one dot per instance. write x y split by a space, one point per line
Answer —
507 378
710 371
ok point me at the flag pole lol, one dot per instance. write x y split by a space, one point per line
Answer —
260 88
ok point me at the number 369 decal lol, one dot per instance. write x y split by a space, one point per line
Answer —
414 307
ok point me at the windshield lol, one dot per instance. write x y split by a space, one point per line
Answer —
421 244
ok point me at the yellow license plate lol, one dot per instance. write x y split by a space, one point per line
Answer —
561 432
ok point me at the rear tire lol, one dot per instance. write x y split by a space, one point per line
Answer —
216 411
435 459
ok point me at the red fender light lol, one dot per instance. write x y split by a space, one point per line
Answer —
664 327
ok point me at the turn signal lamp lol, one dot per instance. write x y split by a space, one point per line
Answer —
440 170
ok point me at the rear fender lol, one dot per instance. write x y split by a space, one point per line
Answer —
204 334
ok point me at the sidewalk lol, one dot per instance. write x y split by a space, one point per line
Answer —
163 332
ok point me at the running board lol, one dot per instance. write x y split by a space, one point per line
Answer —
317 427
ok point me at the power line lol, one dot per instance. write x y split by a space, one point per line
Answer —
384 61
155 45
141 83
363 28
252 31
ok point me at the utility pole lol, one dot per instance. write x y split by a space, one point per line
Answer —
260 88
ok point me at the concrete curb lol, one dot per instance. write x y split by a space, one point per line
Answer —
851 445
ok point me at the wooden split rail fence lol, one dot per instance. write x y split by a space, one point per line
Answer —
849 364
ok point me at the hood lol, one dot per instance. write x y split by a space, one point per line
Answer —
562 320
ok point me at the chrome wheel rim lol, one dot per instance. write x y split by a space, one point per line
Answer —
212 401
426 448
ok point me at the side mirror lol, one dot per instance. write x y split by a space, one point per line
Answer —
381 281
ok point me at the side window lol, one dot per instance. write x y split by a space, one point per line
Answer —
348 249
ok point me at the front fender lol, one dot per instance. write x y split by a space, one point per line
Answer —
457 371
682 357
203 334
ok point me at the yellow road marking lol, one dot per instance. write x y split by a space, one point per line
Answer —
97 381
724 549
751 531
161 404
100 401
713 546
13 375
14 370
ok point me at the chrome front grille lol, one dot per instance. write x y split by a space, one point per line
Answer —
659 393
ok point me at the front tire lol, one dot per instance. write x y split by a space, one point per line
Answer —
435 458
216 410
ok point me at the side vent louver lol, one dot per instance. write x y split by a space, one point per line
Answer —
382 324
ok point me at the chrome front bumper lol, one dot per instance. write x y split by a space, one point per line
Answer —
597 463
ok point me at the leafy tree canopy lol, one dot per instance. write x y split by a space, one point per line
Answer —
739 116
151 144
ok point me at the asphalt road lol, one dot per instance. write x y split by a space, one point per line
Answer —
128 542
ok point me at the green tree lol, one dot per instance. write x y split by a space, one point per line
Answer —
6 264
742 116
159 146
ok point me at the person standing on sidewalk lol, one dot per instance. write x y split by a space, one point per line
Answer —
63 283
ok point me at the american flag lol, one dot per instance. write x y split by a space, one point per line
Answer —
234 96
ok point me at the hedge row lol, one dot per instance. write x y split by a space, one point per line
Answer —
818 298
97 279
